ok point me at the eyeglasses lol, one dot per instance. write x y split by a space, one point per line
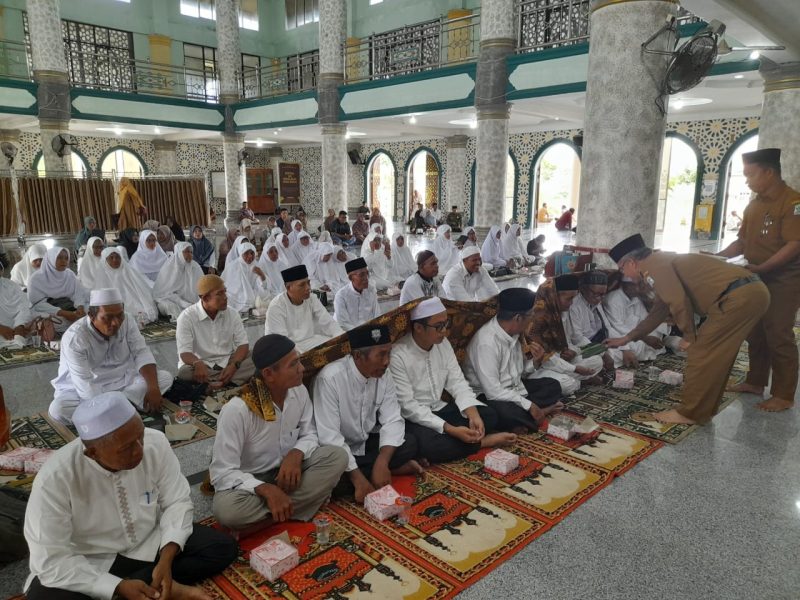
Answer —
440 326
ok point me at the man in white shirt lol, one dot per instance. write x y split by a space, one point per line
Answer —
355 408
356 303
110 515
104 352
499 368
423 283
212 343
468 280
267 465
423 366
299 315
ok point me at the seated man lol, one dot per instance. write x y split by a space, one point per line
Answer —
16 318
105 352
212 343
267 464
564 222
499 368
355 408
247 213
356 303
467 280
423 365
110 515
423 283
454 219
283 221
298 314
360 228
340 230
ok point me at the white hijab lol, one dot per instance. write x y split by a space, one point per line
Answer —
90 264
325 236
148 262
236 249
287 254
22 271
272 269
444 249
47 282
177 277
511 243
404 265
491 251
301 253
134 287
324 272
466 233
242 284
294 233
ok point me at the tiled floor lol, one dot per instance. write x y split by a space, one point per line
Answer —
716 516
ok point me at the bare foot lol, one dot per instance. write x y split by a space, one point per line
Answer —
746 388
672 416
187 592
498 439
774 404
412 467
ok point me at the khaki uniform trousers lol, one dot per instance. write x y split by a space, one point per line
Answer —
771 343
713 353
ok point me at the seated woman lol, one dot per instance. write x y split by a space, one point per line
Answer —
444 249
176 284
15 314
297 229
89 265
302 247
129 239
403 263
149 257
323 271
166 239
134 287
225 247
90 229
245 282
284 249
55 291
472 237
203 252
492 249
30 263
175 228
272 263
512 246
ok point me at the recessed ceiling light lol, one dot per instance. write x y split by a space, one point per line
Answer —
754 55
739 76
157 130
413 119
679 103
259 142
468 122
558 118
275 132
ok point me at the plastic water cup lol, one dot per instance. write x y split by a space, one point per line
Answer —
36 340
404 516
653 373
184 414
323 529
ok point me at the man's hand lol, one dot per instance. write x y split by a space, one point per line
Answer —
6 332
135 589
381 475
608 362
325 288
162 573
201 372
361 485
584 371
617 342
568 354
629 359
475 421
683 345
279 504
754 268
653 342
153 401
464 434
227 373
290 472
534 351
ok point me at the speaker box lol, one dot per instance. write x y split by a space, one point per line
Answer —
355 158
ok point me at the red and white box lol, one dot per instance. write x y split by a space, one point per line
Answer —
274 558
14 460
623 379
501 461
671 377
382 504
34 463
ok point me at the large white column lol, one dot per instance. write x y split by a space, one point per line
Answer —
334 167
235 189
456 167
780 117
624 128
229 59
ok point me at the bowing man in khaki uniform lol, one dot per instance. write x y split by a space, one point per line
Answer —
769 238
731 298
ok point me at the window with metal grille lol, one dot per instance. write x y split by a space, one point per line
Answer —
301 12
205 9
202 81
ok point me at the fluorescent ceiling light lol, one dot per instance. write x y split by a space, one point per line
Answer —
260 142
350 134
680 102
118 130
739 76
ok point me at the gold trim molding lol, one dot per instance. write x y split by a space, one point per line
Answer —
778 85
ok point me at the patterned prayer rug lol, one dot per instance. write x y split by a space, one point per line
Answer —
26 356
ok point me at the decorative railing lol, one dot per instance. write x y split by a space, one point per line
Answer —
545 24
413 48
14 60
284 75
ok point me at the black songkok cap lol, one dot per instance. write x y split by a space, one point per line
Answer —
595 278
294 274
516 299
355 265
366 337
566 283
629 244
770 157
270 349
424 256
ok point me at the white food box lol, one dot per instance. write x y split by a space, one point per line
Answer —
273 558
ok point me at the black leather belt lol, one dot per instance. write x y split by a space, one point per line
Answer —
737 284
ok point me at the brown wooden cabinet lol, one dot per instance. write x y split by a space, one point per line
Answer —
261 191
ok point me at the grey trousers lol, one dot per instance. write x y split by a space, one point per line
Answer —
238 509
242 375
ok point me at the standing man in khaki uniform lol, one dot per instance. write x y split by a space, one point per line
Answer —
731 298
769 238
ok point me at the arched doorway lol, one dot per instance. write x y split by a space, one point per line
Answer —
510 195
122 162
78 166
678 192
380 184
555 182
423 179
735 193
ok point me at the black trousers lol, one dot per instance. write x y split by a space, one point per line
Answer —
542 392
439 447
206 553
403 454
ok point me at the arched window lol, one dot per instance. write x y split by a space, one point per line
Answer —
736 193
423 180
78 166
556 183
380 184
676 194
122 163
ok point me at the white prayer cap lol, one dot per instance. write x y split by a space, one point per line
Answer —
102 414
427 308
105 296
468 251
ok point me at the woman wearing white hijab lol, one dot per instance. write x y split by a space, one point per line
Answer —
444 249
381 268
323 270
30 263
403 263
245 281
135 288
492 249
176 284
89 265
512 245
236 248
297 229
286 252
272 263
55 291
302 248
149 256
325 236
472 237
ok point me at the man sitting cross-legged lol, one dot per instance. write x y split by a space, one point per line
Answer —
499 368
267 464
423 365
110 515
355 408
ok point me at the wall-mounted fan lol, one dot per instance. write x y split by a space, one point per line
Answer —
61 144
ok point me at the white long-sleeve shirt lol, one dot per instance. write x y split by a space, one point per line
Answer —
461 285
381 270
420 376
624 314
352 308
91 364
246 444
81 516
212 340
348 407
307 325
585 320
416 287
15 308
495 365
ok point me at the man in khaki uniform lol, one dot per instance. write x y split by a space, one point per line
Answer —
731 298
769 238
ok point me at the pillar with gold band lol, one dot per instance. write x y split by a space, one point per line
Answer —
780 116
